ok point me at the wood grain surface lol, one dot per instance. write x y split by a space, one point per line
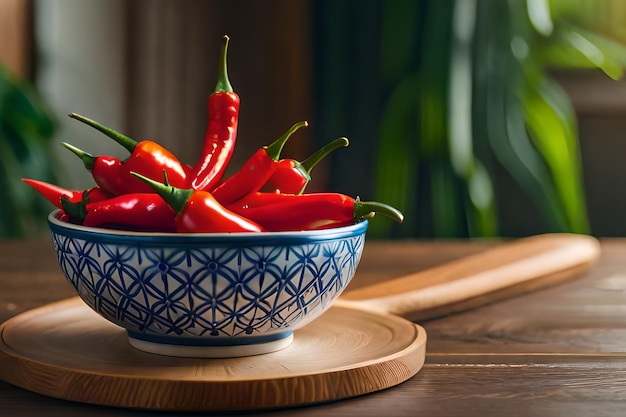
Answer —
560 351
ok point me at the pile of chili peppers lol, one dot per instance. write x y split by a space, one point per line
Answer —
151 190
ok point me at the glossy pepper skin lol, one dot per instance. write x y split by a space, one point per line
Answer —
198 212
221 133
292 177
53 193
255 172
292 212
63 216
147 157
146 212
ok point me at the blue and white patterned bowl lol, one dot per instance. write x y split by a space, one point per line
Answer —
208 295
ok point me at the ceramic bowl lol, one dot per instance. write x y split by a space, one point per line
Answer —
208 295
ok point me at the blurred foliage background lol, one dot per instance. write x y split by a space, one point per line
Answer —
457 95
26 130
451 106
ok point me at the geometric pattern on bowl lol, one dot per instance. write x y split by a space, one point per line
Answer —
209 295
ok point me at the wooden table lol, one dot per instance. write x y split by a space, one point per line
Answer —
557 352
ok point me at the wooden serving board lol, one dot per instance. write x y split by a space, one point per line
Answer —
65 350
364 343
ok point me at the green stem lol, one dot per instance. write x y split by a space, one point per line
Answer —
367 209
88 159
76 210
223 83
309 163
274 149
120 138
175 197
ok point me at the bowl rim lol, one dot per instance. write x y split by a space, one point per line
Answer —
111 235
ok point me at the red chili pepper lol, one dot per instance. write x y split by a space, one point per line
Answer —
292 177
221 134
147 157
63 216
53 193
146 212
255 172
291 212
198 212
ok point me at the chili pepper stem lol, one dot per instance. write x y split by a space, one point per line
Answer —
120 138
275 148
309 163
223 83
367 209
77 211
87 158
175 197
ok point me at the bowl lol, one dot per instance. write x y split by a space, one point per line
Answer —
208 295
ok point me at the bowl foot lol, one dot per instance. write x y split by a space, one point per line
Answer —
189 351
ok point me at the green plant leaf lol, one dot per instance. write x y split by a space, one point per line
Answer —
446 200
399 37
577 48
551 124
481 205
26 128
397 157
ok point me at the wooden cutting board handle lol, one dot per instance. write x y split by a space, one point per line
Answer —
509 269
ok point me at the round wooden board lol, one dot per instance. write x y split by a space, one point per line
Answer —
67 351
